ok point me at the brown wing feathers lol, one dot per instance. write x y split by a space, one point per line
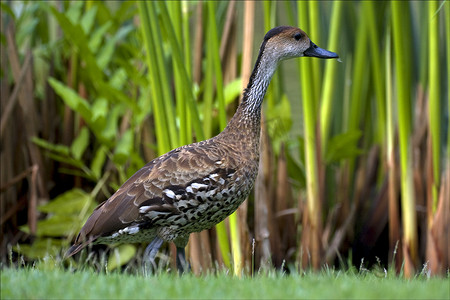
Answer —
150 193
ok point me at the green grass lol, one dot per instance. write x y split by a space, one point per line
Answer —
37 284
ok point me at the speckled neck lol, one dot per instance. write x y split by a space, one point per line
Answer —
246 122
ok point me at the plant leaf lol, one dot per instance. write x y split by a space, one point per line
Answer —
80 144
343 146
61 149
120 256
124 147
72 99
88 19
41 247
98 162
69 203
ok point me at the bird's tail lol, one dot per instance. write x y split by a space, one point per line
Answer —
78 246
73 250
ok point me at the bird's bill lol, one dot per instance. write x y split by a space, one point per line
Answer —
315 51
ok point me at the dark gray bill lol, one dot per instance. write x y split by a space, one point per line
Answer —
315 51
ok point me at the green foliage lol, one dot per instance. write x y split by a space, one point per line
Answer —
66 214
99 44
343 146
279 122
120 256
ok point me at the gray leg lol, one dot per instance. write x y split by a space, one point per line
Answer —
150 253
182 264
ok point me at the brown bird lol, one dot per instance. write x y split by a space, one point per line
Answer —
196 186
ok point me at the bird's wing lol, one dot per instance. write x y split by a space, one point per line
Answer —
150 192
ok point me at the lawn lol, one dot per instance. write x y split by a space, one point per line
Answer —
58 284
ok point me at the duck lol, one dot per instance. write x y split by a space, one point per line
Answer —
196 186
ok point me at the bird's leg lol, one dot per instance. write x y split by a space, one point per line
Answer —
182 264
150 253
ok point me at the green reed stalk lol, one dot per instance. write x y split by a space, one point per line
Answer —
208 94
377 71
314 33
360 81
235 244
213 48
181 105
408 202
177 56
360 76
188 63
434 94
390 155
330 76
154 77
447 25
164 81
309 121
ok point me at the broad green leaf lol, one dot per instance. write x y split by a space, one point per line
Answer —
74 11
124 147
110 130
105 54
41 247
72 99
99 109
120 256
57 148
118 79
65 159
343 146
57 226
136 163
88 19
99 161
98 35
115 95
232 90
145 106
80 144
75 34
296 170
69 203
279 122
26 30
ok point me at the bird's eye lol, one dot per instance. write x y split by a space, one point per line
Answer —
297 36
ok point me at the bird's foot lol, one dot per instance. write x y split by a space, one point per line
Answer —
150 254
182 264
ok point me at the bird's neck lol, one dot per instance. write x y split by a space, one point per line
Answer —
246 122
